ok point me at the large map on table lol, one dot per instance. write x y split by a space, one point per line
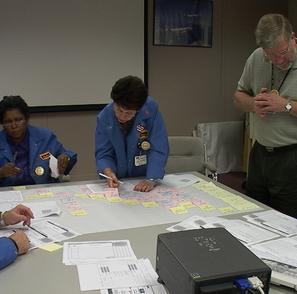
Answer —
206 198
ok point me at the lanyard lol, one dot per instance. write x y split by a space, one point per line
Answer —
283 80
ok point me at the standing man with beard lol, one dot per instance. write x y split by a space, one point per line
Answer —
267 90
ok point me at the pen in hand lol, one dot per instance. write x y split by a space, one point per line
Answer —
107 177
14 157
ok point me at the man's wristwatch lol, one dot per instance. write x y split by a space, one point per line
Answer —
288 106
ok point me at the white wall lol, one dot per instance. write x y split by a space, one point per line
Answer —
69 52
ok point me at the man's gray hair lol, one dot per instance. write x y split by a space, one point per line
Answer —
270 27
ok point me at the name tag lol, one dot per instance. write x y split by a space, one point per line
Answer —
140 160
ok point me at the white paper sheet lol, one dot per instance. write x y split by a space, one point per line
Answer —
244 231
11 196
53 164
157 289
116 274
180 180
44 208
282 250
96 251
4 206
274 220
42 232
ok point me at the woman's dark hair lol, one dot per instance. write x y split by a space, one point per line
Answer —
129 92
13 102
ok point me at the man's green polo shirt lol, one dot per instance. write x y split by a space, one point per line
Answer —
275 129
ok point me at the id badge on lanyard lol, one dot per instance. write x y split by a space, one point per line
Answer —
140 160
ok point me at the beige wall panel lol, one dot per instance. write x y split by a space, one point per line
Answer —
197 84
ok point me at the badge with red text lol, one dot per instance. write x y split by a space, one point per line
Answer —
45 155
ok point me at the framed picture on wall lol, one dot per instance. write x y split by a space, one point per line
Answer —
183 23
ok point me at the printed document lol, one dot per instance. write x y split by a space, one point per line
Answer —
96 251
116 274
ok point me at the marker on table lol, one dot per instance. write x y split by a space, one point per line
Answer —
107 177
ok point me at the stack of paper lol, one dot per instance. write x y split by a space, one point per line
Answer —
111 267
275 221
283 250
41 232
243 231
39 209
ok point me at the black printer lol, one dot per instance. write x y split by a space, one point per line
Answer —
206 261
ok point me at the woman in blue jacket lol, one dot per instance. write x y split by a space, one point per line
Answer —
131 138
25 150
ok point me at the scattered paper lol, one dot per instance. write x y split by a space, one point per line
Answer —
96 251
274 220
44 208
116 274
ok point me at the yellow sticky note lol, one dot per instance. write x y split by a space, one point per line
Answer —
80 212
51 247
32 196
46 194
207 207
226 209
178 210
149 204
97 196
18 188
114 199
130 201
187 204
82 195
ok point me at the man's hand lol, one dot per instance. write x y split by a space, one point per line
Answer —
268 103
113 182
144 186
63 161
8 170
22 241
18 214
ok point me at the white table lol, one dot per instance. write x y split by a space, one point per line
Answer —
43 272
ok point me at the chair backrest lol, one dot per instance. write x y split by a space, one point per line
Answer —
186 154
224 143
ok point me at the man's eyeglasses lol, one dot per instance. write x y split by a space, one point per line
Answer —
282 53
17 122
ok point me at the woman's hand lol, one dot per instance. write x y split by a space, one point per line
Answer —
8 170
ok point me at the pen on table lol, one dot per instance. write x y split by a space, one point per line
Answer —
44 235
58 226
107 177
